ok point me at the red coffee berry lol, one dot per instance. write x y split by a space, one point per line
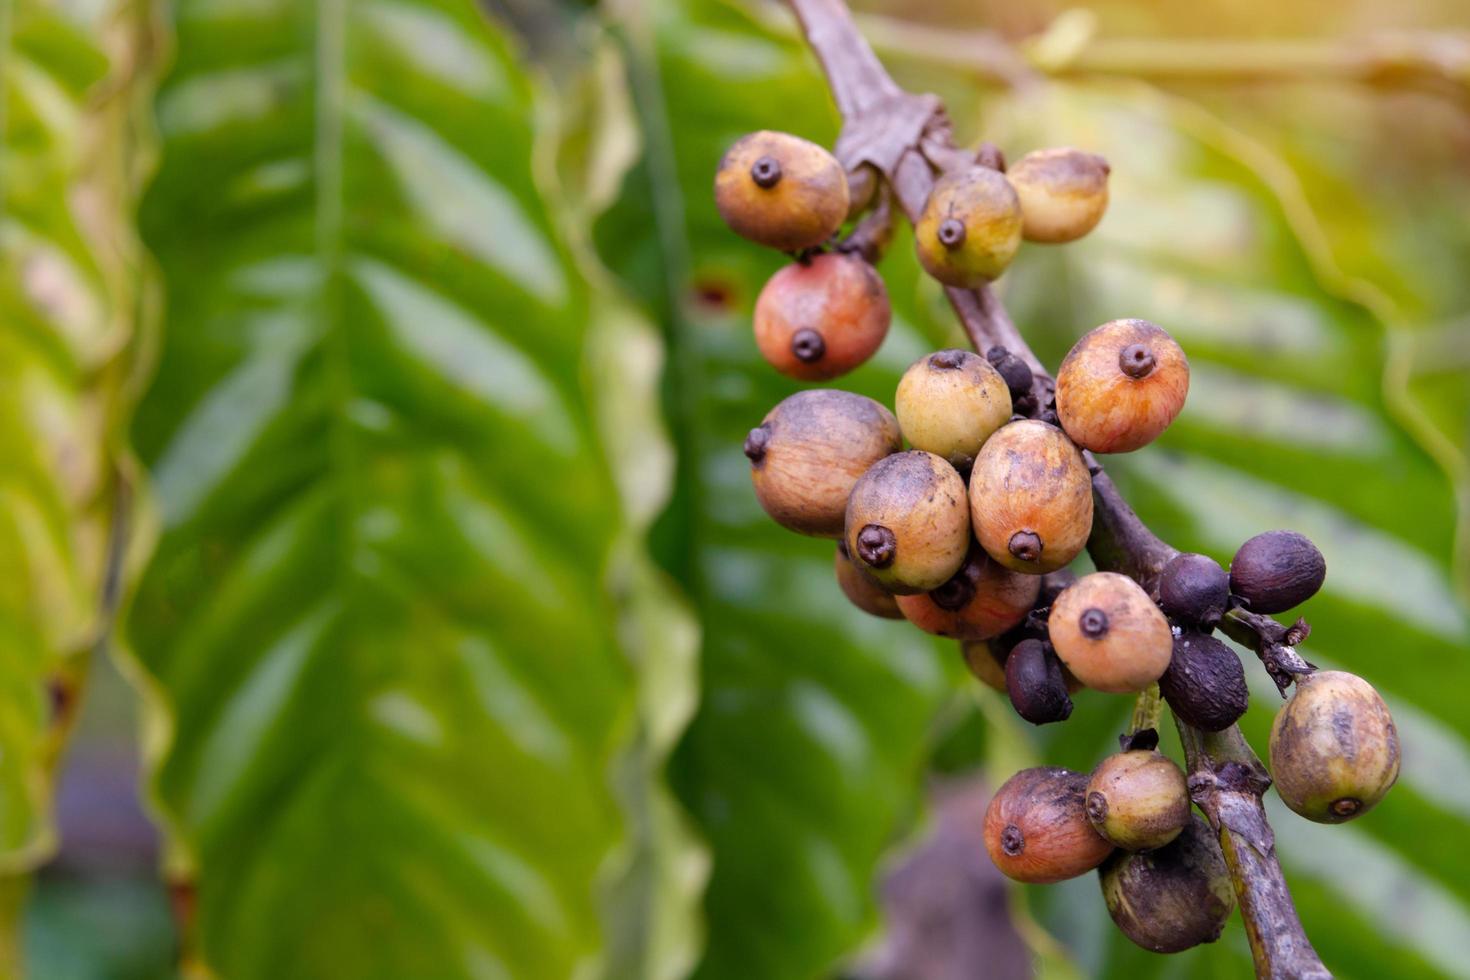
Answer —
820 319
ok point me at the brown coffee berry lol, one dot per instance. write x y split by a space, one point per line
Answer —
1138 800
1194 590
1334 747
949 403
1205 683
1063 193
1036 829
1121 385
1110 634
1277 571
1031 497
819 319
1173 898
907 522
1035 684
809 452
981 600
781 191
861 590
970 227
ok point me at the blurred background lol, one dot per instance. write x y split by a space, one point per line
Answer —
383 593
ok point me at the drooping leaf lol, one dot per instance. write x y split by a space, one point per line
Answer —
418 673
72 298
804 763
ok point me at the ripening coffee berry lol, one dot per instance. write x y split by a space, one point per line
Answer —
861 590
1194 590
970 228
986 660
809 452
1110 634
781 191
819 319
949 403
907 523
1017 375
1277 571
1174 898
1037 831
1120 386
1035 684
1334 747
1138 800
981 600
1031 497
1063 193
1205 683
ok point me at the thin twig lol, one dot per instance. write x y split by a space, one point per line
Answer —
1272 642
1147 710
885 127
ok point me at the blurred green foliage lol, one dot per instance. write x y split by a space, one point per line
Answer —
458 582
418 673
75 306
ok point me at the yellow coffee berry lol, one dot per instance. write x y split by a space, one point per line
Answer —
1063 193
949 403
970 227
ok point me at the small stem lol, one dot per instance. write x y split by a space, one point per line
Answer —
1120 541
1148 709
871 236
858 80
1272 642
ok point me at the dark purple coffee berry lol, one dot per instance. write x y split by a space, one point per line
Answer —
1205 683
1034 681
1194 590
1014 370
1277 571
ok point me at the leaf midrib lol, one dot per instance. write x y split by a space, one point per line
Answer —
327 141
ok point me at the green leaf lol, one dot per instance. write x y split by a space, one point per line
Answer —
1388 236
804 763
72 296
418 675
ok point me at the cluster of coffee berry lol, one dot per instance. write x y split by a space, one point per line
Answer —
968 532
